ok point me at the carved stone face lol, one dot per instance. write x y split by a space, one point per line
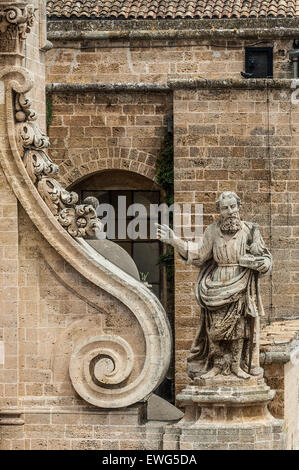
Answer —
228 207
229 214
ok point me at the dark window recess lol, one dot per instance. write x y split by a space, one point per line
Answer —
145 252
259 62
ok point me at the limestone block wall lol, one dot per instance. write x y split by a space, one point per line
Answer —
34 60
11 54
246 141
242 139
30 55
283 378
53 309
8 289
235 138
94 131
155 61
226 137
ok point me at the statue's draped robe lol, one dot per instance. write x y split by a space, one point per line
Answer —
227 292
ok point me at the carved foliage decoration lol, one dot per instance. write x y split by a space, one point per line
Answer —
55 196
28 132
38 164
78 220
16 21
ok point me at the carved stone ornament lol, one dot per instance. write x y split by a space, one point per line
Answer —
98 363
112 369
55 196
78 220
16 21
38 164
29 133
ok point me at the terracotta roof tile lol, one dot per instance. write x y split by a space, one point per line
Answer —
151 9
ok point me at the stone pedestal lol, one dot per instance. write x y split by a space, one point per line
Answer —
226 413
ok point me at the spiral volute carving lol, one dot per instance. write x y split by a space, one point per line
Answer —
99 363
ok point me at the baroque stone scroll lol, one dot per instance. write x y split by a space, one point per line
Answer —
79 220
107 368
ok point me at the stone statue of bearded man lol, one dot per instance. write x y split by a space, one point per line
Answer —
232 256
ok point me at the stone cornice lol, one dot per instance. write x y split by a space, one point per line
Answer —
229 83
98 87
172 84
174 34
97 24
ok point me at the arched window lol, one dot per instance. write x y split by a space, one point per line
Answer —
108 187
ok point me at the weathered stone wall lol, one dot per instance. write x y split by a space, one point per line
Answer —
11 295
23 53
47 307
54 317
151 61
241 140
291 404
8 289
96 131
245 141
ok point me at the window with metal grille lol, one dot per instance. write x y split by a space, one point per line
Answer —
145 252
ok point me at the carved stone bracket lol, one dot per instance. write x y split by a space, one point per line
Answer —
78 220
102 368
16 21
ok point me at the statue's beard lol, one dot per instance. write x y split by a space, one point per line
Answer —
231 224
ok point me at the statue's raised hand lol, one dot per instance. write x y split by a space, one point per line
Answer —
166 235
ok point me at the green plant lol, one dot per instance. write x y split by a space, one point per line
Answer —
165 177
164 168
49 111
167 260
143 276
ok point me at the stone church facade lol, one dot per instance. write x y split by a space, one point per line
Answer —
218 79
